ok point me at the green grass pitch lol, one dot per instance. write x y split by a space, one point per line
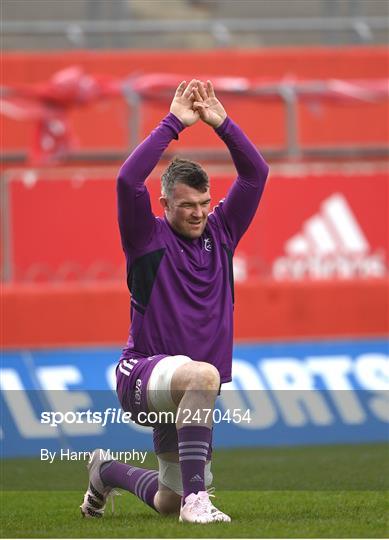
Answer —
315 492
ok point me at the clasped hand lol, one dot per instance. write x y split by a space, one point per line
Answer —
196 101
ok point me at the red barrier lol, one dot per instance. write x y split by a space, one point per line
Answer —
327 225
104 125
99 314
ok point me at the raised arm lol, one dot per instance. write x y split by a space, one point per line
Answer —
243 198
136 220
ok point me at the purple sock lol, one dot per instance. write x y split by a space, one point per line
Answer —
193 445
141 482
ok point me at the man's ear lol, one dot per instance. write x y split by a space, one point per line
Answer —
164 202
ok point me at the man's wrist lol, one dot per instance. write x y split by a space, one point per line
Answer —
175 122
220 128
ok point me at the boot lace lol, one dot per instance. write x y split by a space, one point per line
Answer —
112 494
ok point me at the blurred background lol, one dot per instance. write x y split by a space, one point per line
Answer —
83 82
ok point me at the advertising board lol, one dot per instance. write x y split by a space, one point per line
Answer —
281 394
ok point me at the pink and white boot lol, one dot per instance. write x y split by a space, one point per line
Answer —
198 508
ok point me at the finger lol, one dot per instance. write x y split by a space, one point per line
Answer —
202 91
200 110
189 88
210 89
196 93
180 89
200 106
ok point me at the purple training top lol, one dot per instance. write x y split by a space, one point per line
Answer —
182 289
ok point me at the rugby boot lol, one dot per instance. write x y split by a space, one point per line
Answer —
96 495
198 508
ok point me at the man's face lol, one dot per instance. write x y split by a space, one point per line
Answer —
187 210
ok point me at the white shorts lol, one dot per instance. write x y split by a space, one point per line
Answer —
158 388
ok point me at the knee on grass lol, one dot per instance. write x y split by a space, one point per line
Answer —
167 502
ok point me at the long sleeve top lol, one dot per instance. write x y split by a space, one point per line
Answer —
182 291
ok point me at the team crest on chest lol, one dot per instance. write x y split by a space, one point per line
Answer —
208 243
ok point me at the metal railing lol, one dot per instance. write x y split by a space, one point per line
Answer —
288 93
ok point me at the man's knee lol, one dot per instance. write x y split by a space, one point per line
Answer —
167 502
206 376
196 376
